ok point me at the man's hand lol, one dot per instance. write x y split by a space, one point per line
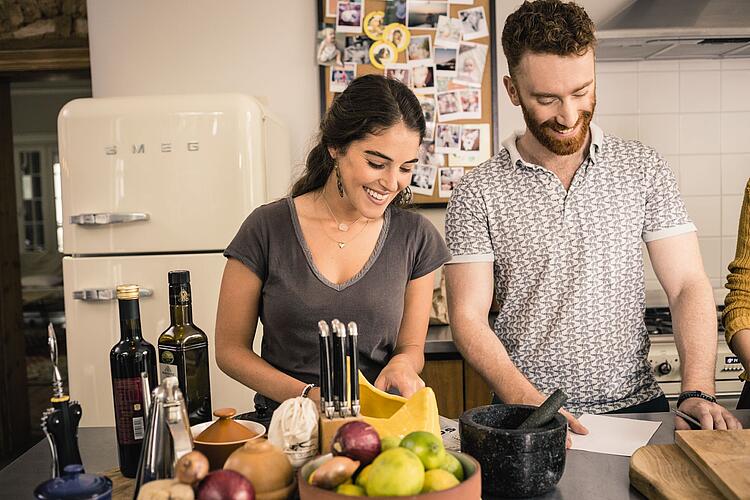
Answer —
710 415
574 425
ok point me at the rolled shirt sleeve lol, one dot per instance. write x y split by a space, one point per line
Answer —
665 214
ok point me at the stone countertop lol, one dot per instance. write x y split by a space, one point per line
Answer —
439 341
587 475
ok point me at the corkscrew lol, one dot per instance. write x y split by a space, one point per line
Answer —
60 423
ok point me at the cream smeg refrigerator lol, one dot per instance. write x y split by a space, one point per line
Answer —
151 184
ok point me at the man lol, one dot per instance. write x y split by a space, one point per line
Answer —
557 219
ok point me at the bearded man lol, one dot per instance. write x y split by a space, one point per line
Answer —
554 225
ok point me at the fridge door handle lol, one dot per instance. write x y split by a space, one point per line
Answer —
105 218
104 294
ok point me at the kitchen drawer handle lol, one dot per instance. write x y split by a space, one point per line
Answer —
104 294
102 219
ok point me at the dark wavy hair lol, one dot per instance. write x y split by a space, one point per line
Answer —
547 27
369 105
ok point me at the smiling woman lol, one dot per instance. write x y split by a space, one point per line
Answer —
340 246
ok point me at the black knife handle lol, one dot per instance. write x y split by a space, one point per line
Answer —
338 369
325 368
354 367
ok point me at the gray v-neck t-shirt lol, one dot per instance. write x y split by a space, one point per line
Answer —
295 295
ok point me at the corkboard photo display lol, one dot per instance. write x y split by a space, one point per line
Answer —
445 52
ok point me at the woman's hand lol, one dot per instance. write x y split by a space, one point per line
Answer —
399 374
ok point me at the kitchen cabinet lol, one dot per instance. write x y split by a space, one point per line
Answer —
457 386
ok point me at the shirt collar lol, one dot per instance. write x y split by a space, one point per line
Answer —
597 139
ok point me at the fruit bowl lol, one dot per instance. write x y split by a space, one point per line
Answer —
469 489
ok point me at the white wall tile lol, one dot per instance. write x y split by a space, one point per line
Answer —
648 269
730 214
735 171
700 175
700 65
659 92
711 253
653 284
735 132
674 165
700 133
705 212
735 64
660 132
617 67
700 91
625 126
716 283
734 90
646 66
617 93
728 249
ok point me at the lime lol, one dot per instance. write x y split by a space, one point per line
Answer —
351 490
437 480
427 446
389 442
452 465
395 472
362 476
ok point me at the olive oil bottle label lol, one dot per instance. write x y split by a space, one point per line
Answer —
167 364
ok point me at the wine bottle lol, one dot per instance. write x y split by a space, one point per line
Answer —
183 350
132 363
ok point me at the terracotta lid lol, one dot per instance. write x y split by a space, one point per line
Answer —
225 430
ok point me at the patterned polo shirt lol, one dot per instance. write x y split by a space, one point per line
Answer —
568 265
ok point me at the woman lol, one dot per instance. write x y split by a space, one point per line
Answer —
736 316
338 247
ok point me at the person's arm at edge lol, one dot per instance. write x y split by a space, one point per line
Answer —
469 288
406 363
236 320
678 266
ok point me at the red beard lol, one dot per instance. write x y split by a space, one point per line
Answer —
559 147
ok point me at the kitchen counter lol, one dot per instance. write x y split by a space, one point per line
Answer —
587 475
439 341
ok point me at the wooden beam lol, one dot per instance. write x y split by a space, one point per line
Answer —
44 59
14 400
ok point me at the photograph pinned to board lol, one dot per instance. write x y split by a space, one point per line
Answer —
342 76
374 24
423 77
399 71
395 11
473 23
469 155
419 49
445 82
331 6
357 49
448 34
447 138
397 34
423 14
470 63
449 106
349 17
427 101
470 101
445 61
329 53
462 2
423 179
382 53
428 156
449 178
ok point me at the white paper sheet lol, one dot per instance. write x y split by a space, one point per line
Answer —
613 435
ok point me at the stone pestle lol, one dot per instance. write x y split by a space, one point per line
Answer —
546 411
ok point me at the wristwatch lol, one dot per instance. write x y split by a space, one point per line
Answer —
694 394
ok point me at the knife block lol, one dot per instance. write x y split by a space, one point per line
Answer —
327 428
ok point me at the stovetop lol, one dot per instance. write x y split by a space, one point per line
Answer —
658 320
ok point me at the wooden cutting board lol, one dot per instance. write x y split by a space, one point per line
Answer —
723 456
664 472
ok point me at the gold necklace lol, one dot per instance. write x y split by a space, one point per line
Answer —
343 226
342 244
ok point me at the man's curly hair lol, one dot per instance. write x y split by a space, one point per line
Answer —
547 27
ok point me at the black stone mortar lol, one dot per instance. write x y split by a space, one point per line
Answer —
515 463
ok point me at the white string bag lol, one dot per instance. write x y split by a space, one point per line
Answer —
294 429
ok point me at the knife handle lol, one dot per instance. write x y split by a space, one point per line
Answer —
340 341
325 369
338 369
354 367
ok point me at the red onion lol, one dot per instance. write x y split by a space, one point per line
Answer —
225 485
357 440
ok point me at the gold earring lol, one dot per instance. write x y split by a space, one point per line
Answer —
339 185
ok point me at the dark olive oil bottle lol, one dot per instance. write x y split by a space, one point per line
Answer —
183 350
132 363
